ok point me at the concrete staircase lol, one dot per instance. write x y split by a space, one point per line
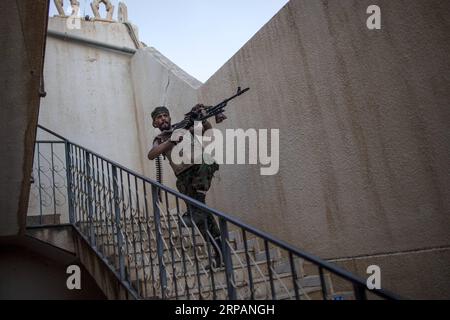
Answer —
134 225
185 259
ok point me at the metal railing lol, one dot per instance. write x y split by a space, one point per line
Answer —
137 227
48 193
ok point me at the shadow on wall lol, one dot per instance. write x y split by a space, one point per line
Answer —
32 270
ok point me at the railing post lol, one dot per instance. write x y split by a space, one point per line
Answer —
53 182
224 235
159 242
360 291
117 221
69 183
323 284
90 197
39 182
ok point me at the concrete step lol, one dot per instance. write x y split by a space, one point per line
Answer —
239 256
173 238
137 228
175 235
306 271
205 275
241 278
238 260
144 246
174 221
262 289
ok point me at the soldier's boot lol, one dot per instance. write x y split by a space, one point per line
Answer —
187 221
217 259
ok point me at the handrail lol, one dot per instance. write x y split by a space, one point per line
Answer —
359 282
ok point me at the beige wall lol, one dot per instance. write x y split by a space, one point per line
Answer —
416 274
364 124
364 128
90 93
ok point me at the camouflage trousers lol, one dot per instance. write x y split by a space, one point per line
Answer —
195 182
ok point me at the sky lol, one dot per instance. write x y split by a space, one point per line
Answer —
197 35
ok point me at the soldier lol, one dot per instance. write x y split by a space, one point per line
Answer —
193 180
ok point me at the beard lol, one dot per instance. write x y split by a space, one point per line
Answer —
165 126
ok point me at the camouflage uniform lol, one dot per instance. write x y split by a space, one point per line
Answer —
195 182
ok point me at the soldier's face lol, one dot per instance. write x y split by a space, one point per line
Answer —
162 121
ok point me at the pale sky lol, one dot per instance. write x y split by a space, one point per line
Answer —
197 35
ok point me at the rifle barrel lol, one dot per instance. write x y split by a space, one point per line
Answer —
224 102
213 110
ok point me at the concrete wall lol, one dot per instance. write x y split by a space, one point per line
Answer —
33 270
58 236
364 132
90 93
22 39
106 280
415 274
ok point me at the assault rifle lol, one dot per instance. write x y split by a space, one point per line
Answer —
207 112
190 118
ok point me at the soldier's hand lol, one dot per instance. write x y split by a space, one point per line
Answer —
199 109
220 117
